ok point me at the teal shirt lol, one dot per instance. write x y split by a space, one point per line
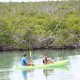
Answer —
24 61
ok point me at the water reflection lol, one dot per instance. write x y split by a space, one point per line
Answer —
11 59
24 73
47 72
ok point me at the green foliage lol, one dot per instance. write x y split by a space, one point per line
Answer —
31 25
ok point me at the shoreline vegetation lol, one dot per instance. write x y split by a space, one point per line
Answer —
40 25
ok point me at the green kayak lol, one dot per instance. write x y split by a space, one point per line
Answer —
42 66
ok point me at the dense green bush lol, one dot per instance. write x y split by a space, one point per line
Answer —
40 25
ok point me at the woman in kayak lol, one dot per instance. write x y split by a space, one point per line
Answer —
25 61
47 60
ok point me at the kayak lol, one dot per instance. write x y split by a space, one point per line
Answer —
46 66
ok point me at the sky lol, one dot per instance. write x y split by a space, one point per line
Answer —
22 0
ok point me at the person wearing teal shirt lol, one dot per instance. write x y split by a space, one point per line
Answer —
25 61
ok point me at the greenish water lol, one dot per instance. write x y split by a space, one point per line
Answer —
8 60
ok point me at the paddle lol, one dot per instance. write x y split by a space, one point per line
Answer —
30 54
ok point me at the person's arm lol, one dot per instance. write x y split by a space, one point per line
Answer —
50 60
29 61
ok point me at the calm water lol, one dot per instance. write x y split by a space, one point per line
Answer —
8 60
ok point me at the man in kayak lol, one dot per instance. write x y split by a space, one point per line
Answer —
47 60
25 61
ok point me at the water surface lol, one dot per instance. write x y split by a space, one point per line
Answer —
8 60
